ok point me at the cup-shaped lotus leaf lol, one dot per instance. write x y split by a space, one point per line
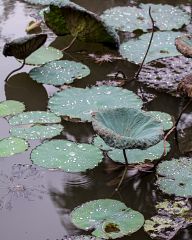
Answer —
69 18
127 128
184 45
21 48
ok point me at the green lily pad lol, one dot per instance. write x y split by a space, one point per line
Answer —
11 146
70 18
136 156
127 128
164 118
43 2
107 218
21 48
59 72
165 74
36 117
66 155
129 19
77 103
11 107
175 177
184 45
37 132
44 55
99 142
163 45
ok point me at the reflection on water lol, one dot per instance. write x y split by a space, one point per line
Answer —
48 218
22 88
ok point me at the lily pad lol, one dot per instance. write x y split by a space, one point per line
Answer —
70 18
164 118
162 46
66 155
80 237
43 2
107 218
11 107
59 72
127 128
36 117
78 104
131 18
99 142
37 132
44 55
172 216
184 45
175 177
21 48
165 74
136 156
11 146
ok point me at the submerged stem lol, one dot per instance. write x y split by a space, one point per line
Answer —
70 44
122 178
17 69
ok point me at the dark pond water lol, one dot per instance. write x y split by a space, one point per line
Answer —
40 210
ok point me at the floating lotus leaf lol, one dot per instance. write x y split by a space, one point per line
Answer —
98 142
44 55
107 218
34 117
37 132
139 156
70 18
162 46
81 237
184 45
165 74
79 103
175 177
164 118
171 217
129 18
127 128
43 2
11 146
59 72
65 155
185 86
21 48
11 107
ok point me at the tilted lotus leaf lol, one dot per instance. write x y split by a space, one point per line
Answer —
127 128
21 48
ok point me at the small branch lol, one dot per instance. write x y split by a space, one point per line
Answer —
23 64
71 43
151 39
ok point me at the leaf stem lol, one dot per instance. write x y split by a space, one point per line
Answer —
17 69
125 157
149 45
70 44
122 178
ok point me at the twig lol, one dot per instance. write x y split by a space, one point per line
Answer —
71 43
17 69
149 45
125 156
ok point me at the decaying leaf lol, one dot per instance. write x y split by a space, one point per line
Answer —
185 86
184 45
